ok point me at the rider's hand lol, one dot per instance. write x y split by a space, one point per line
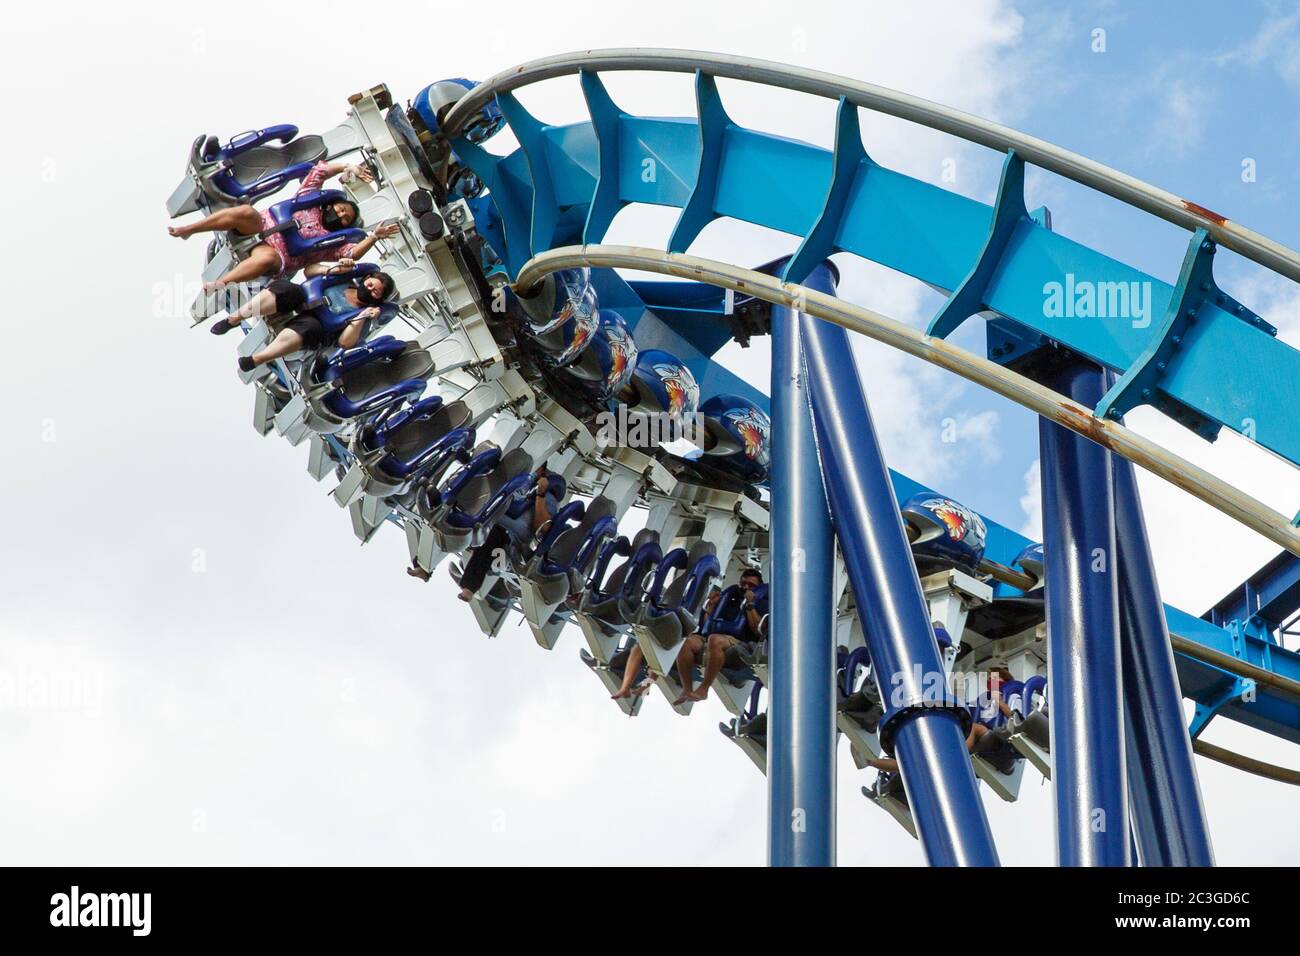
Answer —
386 230
344 265
367 314
542 484
361 172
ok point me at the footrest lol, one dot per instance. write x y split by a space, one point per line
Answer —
290 418
320 458
185 198
349 489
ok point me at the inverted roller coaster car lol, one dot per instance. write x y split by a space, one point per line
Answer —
562 562
944 533
352 384
404 444
606 366
247 168
737 438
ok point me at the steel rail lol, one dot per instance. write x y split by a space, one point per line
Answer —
1238 761
1235 665
1111 182
1051 405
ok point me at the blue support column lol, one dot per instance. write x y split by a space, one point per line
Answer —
801 709
922 727
1083 656
1167 811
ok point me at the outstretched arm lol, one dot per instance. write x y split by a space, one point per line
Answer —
322 171
361 172
359 249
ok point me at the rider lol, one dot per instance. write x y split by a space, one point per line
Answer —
753 606
305 330
725 638
986 715
270 257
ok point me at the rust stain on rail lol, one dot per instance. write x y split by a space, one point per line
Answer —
1204 213
1097 430
1086 424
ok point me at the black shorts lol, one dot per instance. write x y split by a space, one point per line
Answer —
309 327
289 296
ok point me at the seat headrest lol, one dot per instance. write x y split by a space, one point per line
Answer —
515 462
699 549
459 416
600 507
643 537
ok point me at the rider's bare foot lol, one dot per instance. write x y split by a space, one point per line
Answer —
465 595
178 232
697 695
621 693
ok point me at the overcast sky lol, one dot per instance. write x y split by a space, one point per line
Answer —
254 687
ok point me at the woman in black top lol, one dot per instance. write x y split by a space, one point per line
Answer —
305 331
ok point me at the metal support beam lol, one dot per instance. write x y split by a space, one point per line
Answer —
1166 799
801 711
717 169
1083 657
922 727
1045 401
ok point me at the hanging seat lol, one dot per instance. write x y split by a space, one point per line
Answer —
286 225
327 300
1029 730
352 384
247 168
478 494
566 554
602 598
671 611
405 443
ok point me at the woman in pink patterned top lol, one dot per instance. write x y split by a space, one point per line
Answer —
270 256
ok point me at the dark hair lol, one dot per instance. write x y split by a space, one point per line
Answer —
752 572
366 297
330 219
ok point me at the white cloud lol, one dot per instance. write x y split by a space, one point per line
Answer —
1031 502
1276 43
1181 120
980 429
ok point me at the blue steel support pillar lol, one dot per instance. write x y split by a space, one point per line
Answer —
1167 811
801 709
1083 655
921 726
